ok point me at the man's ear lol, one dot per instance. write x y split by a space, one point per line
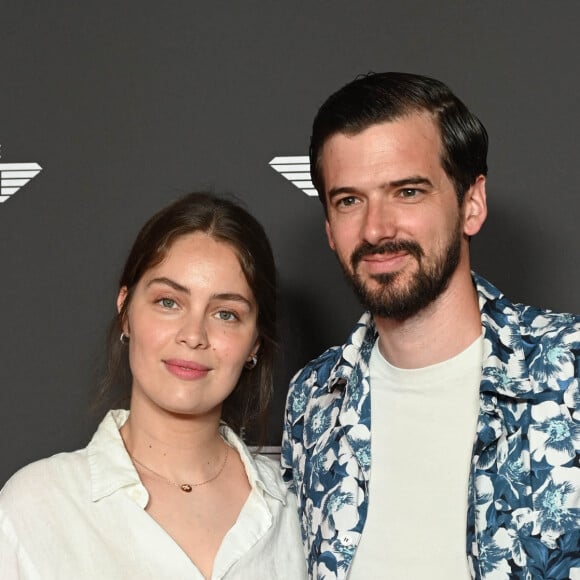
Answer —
329 236
474 207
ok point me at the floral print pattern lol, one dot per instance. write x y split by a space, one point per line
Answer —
523 520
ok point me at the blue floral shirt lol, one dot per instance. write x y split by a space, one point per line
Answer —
523 517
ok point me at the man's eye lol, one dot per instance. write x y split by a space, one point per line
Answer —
409 193
346 201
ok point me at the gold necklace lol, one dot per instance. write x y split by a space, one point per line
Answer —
186 487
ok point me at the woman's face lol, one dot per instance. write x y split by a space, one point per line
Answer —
192 326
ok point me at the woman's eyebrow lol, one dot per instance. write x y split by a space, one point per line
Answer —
168 282
218 296
232 296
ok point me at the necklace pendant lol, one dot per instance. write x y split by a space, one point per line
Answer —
185 487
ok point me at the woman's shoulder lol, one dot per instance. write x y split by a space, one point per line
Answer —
70 475
45 479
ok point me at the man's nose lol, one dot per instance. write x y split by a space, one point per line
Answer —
380 222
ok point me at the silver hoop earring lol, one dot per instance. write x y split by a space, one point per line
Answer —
124 338
251 362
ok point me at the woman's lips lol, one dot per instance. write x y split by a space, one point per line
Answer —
185 369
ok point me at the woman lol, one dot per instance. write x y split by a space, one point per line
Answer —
167 489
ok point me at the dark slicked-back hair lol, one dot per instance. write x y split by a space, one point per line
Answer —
225 221
381 97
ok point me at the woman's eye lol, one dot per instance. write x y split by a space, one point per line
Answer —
167 303
226 315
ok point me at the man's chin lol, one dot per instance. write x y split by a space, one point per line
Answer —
390 281
374 292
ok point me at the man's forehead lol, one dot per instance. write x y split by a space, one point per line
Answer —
415 136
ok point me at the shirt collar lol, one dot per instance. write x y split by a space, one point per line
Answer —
357 349
505 369
110 466
262 473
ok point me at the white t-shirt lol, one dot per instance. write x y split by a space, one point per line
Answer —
423 424
82 515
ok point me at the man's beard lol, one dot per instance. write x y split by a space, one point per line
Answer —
426 284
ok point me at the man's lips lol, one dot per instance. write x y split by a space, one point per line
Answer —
386 257
388 252
185 369
383 263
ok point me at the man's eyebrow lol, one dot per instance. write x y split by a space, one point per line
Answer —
411 180
169 282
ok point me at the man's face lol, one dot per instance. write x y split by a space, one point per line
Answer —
393 216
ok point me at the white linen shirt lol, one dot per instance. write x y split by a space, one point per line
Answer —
82 515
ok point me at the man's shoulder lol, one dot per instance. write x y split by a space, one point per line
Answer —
524 319
324 367
543 318
324 362
539 324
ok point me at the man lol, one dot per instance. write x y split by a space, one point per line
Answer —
467 462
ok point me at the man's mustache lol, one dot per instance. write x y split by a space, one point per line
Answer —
393 247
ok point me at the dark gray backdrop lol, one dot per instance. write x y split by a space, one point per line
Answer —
127 105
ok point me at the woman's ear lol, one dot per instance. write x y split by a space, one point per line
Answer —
121 298
256 347
120 302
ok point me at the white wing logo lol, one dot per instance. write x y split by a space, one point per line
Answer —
297 171
14 176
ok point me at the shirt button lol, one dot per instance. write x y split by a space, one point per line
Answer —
137 494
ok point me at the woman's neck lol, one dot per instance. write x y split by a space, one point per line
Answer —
177 447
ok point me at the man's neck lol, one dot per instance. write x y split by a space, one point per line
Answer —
445 328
